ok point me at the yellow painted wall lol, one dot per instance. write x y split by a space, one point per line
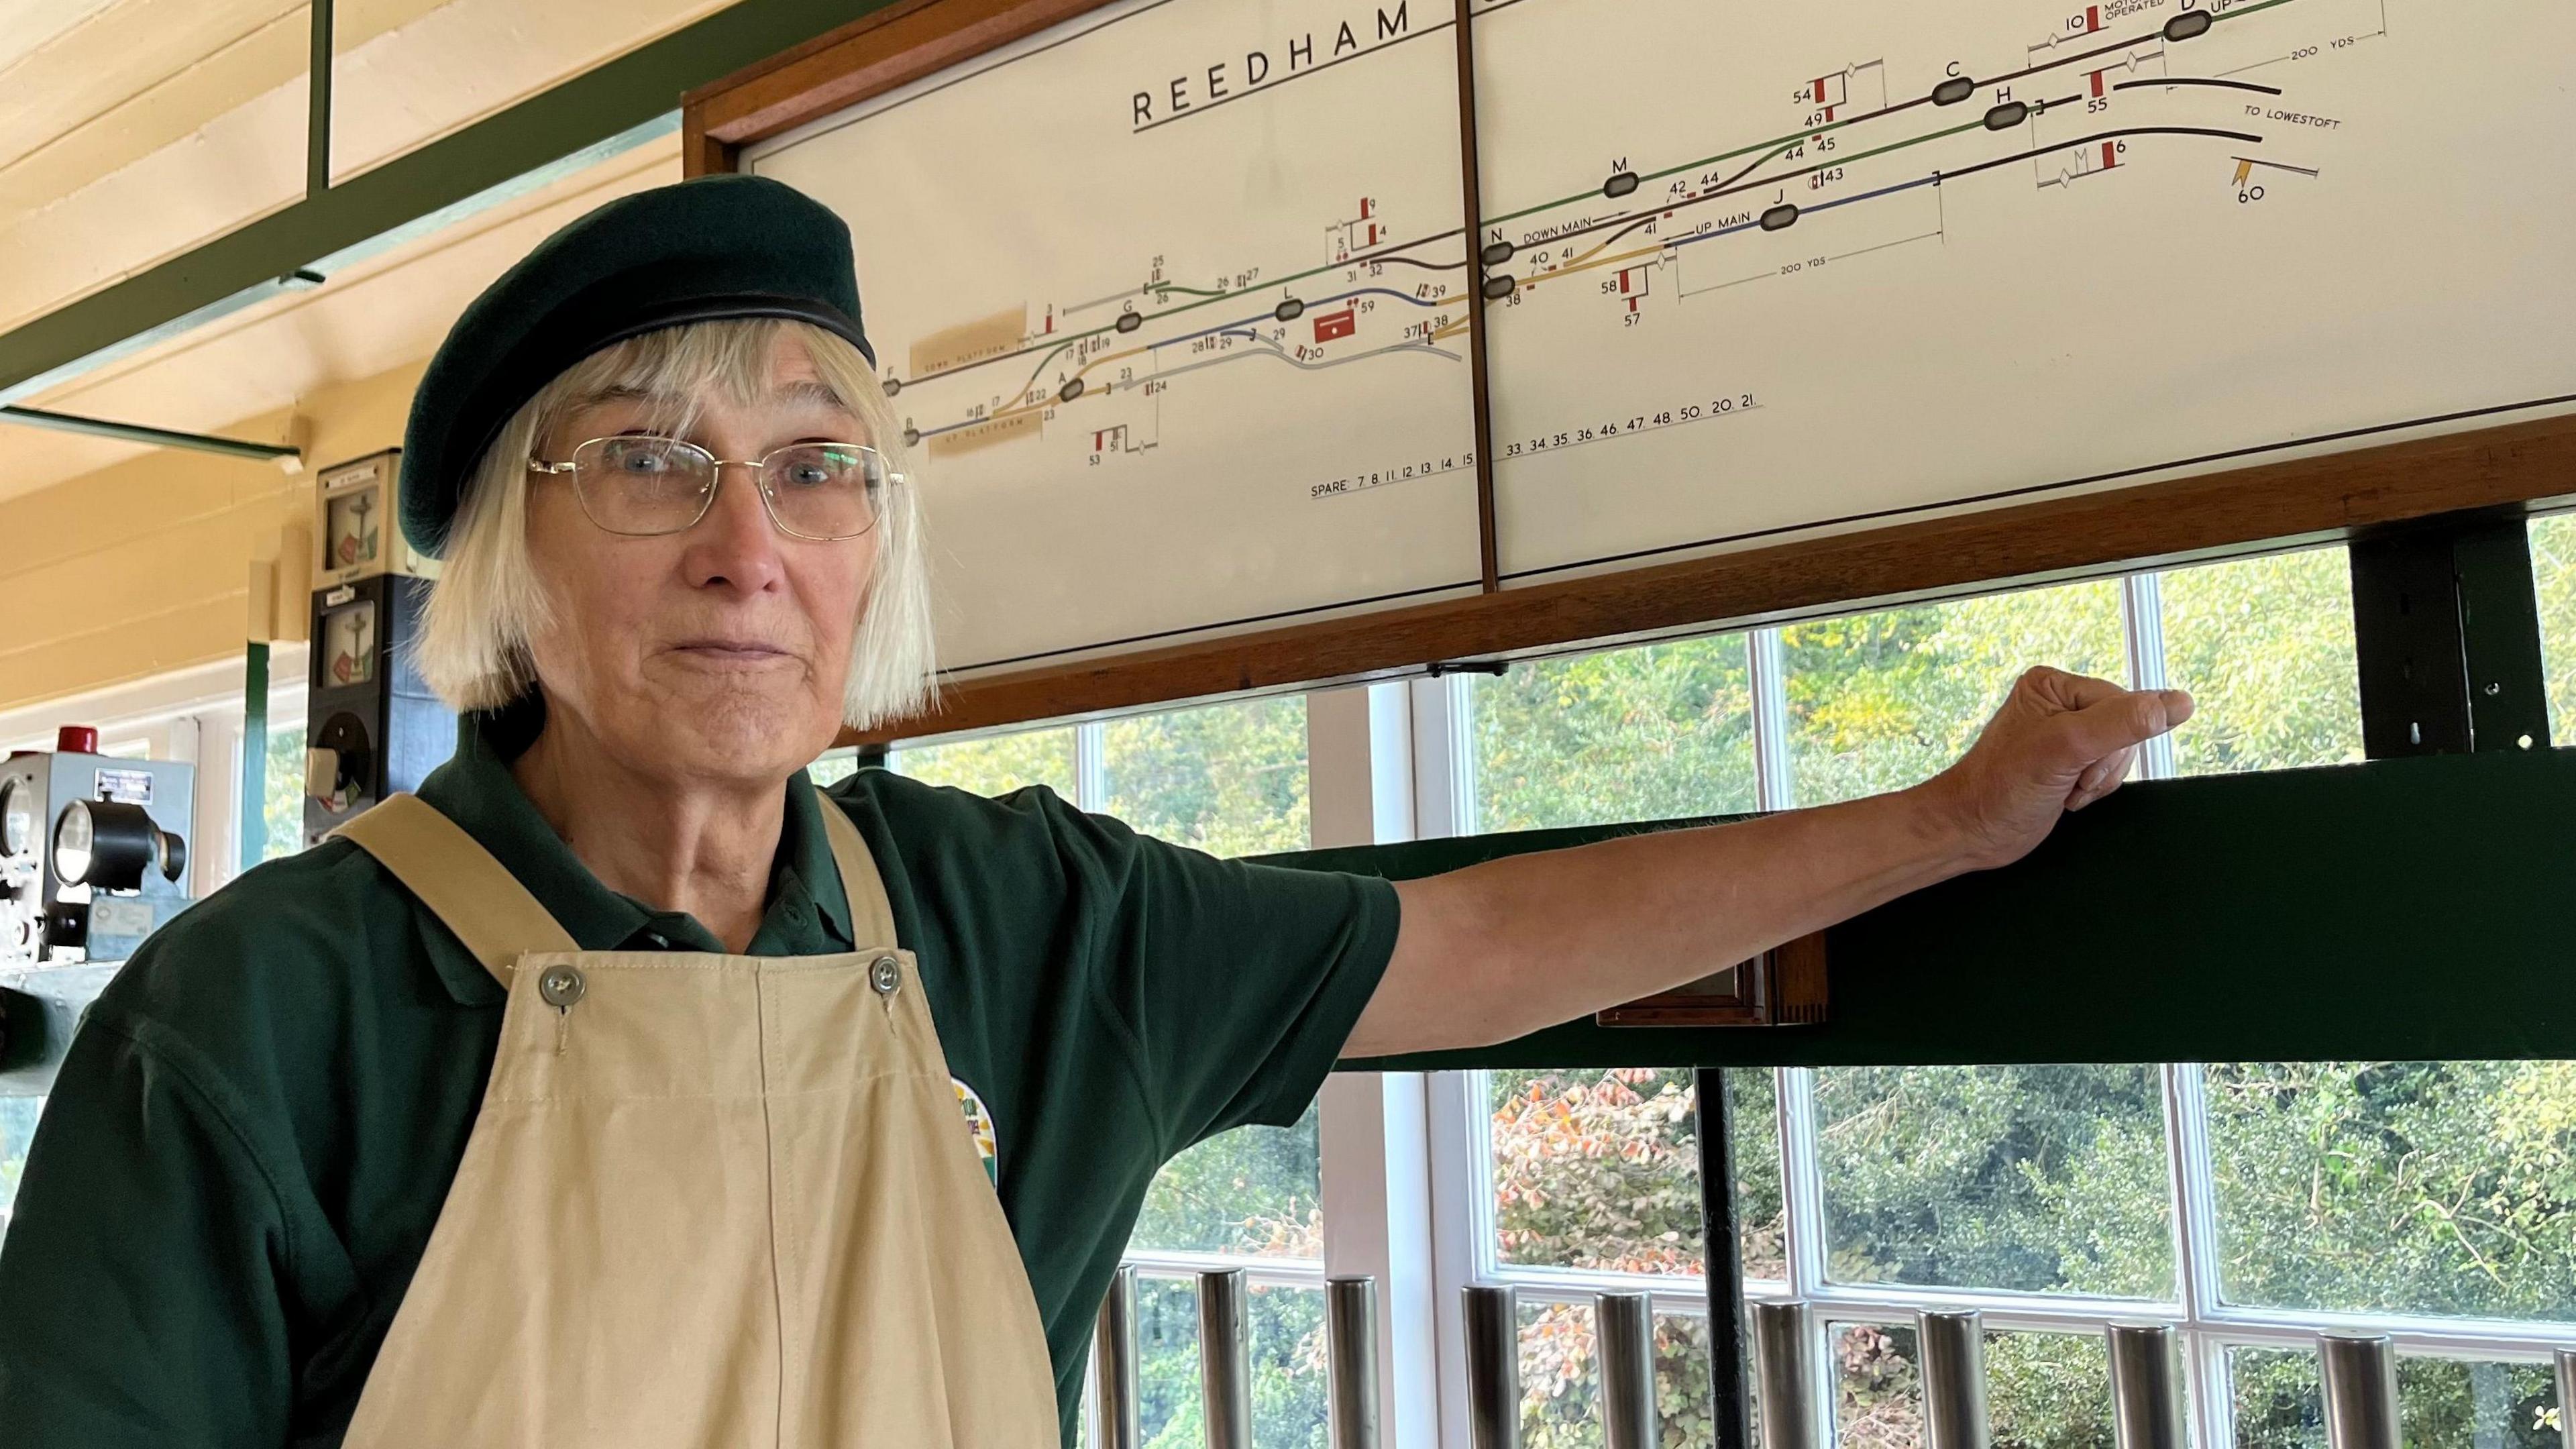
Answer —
145 567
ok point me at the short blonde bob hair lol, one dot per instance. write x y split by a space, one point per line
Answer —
489 601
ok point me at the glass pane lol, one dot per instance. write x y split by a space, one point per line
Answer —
2280 1403
2441 1403
1880 701
2265 646
2446 1403
1627 734
833 768
2049 1390
2414 1187
2553 576
1681 1383
1878 1394
1229 779
1600 1169
2042 1179
1287 1352
1561 1379
1168 1407
996 765
1255 1190
283 808
17 1128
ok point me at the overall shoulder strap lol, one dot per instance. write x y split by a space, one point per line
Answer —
871 914
460 882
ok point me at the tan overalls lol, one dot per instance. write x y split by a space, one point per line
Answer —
709 1201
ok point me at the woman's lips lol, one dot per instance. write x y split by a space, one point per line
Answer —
737 654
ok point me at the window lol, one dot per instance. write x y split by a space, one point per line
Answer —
2265 645
2030 1179
2251 1204
832 767
1632 734
996 764
2553 576
283 806
2434 1188
1880 701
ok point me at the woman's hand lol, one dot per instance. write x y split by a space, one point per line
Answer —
2060 742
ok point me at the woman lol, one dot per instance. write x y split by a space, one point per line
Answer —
608 1091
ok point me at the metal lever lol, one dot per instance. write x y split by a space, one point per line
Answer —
1113 1359
2567 1398
1350 1360
1493 1368
2361 1390
1225 1359
1625 1323
2146 1389
1954 1380
1784 1379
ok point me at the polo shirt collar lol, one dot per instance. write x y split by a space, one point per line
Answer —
808 911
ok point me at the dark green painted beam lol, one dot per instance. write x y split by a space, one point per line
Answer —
2408 909
634 90
138 433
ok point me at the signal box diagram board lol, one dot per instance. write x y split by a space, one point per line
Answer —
1175 296
1172 301
1778 266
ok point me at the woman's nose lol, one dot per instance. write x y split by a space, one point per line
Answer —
735 543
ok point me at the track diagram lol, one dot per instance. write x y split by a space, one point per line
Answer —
1907 255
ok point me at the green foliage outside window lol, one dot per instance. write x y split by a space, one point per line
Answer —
2553 575
1600 1170
996 765
2441 1403
1228 779
2408 1187
2266 647
283 807
1286 1346
2037 1179
1881 701
1631 734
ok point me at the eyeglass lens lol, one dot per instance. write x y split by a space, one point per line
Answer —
647 485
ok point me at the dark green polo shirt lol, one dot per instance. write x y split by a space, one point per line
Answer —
254 1131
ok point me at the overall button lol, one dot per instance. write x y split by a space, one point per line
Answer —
885 973
561 986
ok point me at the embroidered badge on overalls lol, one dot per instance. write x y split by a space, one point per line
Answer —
979 1125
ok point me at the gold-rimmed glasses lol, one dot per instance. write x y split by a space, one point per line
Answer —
642 485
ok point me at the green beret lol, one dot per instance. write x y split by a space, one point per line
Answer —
707 248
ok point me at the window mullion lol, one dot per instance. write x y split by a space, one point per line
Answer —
1774 788
1091 765
2142 621
2195 1237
